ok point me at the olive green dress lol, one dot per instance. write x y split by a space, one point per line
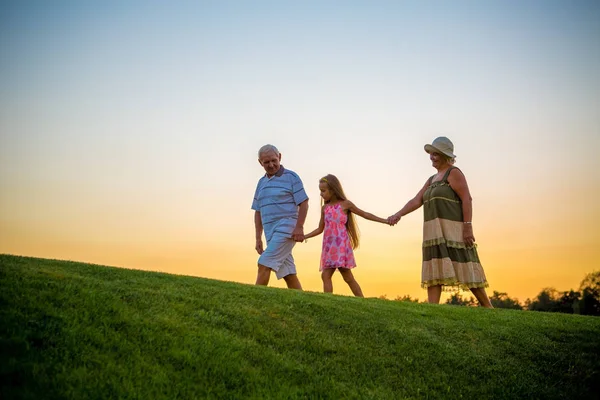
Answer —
446 259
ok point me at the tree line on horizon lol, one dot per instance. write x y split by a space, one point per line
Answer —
584 301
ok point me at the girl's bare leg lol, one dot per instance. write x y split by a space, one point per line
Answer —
349 278
326 276
434 293
482 297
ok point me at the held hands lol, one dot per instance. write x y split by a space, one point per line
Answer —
298 234
393 219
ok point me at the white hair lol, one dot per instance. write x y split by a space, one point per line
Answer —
267 148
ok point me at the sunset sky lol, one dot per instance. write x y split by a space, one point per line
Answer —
129 130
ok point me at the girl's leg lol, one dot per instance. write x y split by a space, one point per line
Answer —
326 276
349 278
482 297
434 293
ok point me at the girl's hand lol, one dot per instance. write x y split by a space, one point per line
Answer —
468 235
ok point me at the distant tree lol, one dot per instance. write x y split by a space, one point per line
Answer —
551 300
589 303
546 300
383 297
569 302
501 300
456 299
406 297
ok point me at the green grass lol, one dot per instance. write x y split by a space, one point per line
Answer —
78 331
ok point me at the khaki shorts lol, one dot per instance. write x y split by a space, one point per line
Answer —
278 255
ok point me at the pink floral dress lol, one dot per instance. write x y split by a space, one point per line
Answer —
337 249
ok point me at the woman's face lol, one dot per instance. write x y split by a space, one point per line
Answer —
438 160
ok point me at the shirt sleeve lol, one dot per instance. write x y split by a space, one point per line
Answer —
255 205
298 190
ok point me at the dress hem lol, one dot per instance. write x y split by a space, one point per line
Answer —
337 267
451 285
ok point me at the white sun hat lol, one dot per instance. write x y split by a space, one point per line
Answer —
441 145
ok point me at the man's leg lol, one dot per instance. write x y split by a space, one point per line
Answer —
278 257
263 275
292 281
287 268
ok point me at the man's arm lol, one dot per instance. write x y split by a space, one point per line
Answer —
298 233
258 227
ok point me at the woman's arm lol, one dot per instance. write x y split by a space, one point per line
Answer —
321 227
347 205
412 205
458 183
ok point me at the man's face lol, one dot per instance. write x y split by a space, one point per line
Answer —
270 162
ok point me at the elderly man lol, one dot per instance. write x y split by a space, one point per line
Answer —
280 206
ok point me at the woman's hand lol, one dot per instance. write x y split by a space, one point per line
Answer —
468 237
393 219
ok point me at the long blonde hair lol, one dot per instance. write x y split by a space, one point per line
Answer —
336 187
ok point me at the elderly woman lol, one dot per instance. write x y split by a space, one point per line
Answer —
449 251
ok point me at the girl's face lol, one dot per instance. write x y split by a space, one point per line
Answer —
326 193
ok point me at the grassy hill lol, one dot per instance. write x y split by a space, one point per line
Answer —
78 331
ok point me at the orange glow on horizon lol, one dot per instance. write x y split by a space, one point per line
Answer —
391 273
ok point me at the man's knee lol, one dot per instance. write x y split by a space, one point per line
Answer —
292 281
264 270
263 275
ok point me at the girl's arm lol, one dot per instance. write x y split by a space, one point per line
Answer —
412 205
347 205
458 183
321 227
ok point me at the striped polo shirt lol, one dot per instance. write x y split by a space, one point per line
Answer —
277 199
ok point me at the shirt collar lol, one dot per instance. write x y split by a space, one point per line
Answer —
278 173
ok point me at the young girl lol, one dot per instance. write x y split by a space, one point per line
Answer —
341 234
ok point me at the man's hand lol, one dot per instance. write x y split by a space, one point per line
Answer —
298 234
259 246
